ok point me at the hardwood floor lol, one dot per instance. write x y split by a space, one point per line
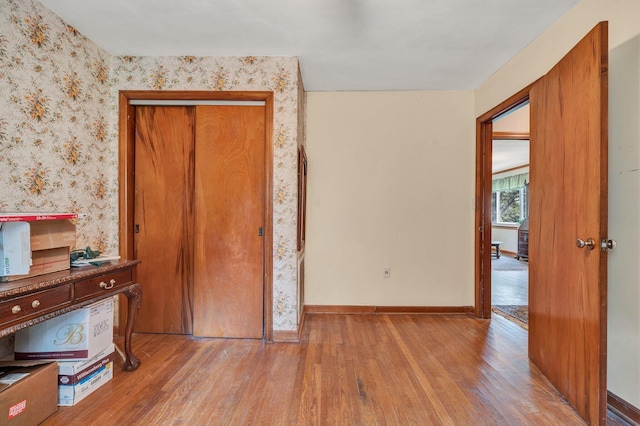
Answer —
509 281
348 370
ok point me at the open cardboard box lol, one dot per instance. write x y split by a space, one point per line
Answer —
28 391
48 234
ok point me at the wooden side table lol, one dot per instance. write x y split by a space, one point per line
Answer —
496 245
28 301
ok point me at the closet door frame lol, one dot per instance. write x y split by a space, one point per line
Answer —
126 126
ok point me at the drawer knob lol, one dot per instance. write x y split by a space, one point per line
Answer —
16 309
107 286
35 303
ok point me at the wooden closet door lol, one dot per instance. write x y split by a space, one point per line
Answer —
164 150
229 213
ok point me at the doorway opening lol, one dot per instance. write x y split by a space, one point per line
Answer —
498 216
510 215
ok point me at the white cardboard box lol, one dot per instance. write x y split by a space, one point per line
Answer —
77 379
71 395
15 248
79 334
73 372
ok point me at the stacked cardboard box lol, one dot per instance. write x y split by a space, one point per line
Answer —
82 343
34 248
80 334
51 243
77 379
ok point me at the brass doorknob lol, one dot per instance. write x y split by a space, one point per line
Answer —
589 243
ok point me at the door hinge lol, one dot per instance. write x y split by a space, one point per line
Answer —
136 228
260 232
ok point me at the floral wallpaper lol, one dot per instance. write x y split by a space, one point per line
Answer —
54 112
59 128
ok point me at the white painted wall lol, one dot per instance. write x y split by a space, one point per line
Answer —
390 183
624 221
624 183
508 236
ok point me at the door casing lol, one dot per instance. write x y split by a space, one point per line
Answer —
484 145
126 125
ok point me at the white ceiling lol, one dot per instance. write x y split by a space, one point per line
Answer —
509 154
342 45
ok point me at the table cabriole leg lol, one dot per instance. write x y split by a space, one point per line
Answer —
134 297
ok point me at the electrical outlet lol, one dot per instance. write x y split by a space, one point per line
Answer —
386 272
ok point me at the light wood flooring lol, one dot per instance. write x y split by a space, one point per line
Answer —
347 370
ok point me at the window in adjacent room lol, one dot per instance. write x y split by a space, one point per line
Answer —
510 199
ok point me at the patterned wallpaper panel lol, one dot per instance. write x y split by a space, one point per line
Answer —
59 129
55 101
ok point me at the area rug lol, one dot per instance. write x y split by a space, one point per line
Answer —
516 313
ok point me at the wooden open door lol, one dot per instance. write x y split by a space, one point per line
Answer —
568 204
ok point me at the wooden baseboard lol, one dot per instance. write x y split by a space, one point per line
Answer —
355 310
290 336
622 408
286 336
294 336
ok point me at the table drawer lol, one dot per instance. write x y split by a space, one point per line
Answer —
34 304
86 289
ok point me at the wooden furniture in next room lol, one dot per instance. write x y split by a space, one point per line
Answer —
495 245
28 301
523 240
